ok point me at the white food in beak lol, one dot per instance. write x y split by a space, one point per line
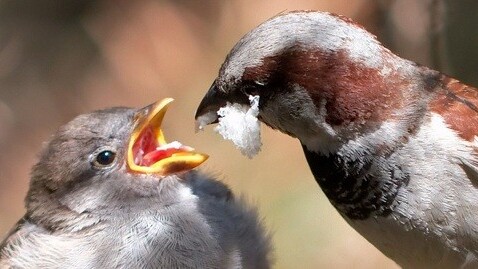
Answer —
204 120
239 124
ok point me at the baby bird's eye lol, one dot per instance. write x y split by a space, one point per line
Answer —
105 158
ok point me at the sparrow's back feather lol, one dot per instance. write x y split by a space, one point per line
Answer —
457 103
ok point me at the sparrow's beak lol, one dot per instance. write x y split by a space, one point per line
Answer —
148 152
210 104
216 98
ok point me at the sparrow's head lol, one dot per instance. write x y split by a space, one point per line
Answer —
318 75
109 160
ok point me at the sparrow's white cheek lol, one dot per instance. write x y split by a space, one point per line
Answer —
296 114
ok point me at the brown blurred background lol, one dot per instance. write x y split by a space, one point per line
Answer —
62 58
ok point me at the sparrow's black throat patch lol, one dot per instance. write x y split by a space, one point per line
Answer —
358 190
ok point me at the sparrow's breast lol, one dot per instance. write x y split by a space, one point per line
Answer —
434 219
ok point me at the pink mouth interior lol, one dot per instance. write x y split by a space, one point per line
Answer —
147 151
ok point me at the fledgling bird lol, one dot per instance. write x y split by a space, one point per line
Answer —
391 143
109 192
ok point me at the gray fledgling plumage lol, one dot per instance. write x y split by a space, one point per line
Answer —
81 215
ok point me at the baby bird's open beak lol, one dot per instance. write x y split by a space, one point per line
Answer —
148 152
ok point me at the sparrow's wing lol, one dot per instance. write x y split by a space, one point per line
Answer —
457 103
470 170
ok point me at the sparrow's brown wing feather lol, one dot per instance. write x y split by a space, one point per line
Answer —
457 103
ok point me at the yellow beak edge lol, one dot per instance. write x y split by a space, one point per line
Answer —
149 119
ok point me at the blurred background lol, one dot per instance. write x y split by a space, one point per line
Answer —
62 58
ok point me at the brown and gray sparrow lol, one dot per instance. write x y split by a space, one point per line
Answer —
391 143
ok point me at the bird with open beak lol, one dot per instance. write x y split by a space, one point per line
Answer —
109 192
391 143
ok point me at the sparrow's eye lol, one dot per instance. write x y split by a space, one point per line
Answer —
105 158
253 88
250 90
